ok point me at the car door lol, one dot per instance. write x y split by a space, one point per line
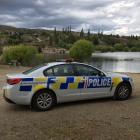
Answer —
62 80
95 83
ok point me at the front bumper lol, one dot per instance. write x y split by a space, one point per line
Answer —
132 84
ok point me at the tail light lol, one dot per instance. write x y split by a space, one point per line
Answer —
13 81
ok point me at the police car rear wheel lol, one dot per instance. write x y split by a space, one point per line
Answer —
43 101
123 91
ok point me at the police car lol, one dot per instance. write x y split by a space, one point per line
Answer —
44 86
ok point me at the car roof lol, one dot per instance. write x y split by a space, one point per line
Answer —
59 63
55 63
51 64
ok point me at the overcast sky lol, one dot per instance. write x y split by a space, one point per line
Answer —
111 16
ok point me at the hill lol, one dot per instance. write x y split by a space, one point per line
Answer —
64 39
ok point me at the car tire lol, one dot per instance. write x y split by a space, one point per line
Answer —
123 91
43 100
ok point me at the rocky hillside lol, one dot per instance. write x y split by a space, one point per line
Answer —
64 39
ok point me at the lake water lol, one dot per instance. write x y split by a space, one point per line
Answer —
117 61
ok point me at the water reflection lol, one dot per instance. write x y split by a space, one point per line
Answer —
117 65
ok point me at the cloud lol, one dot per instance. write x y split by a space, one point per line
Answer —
118 17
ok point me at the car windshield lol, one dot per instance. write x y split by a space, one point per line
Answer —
32 69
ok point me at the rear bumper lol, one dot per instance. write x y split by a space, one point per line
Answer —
8 100
13 95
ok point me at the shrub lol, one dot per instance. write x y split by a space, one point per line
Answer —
135 49
103 48
81 49
126 49
23 54
95 40
39 58
119 47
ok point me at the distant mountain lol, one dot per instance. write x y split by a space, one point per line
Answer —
41 38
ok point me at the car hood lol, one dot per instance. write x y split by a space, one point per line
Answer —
112 74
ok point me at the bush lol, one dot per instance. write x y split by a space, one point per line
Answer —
61 44
126 49
25 55
81 49
135 49
39 58
104 48
119 47
133 43
95 40
68 46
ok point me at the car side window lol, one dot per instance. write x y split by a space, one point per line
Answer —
60 70
63 70
83 70
48 72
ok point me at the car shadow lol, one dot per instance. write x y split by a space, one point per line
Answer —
21 108
83 102
94 101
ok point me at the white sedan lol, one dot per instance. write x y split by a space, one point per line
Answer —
44 86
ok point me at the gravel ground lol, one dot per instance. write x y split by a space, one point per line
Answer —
102 119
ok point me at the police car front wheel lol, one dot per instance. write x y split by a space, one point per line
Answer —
123 91
44 100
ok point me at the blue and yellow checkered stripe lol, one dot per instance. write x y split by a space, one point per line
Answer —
55 83
64 83
59 83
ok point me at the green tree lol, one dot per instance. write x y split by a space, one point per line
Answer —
88 34
68 46
119 47
55 36
61 44
81 49
50 40
82 33
95 40
109 39
135 49
126 49
25 55
133 43
1 48
14 39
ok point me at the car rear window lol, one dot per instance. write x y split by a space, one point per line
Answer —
32 69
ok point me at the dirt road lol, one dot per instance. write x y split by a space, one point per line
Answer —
102 119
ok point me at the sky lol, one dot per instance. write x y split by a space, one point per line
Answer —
110 16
